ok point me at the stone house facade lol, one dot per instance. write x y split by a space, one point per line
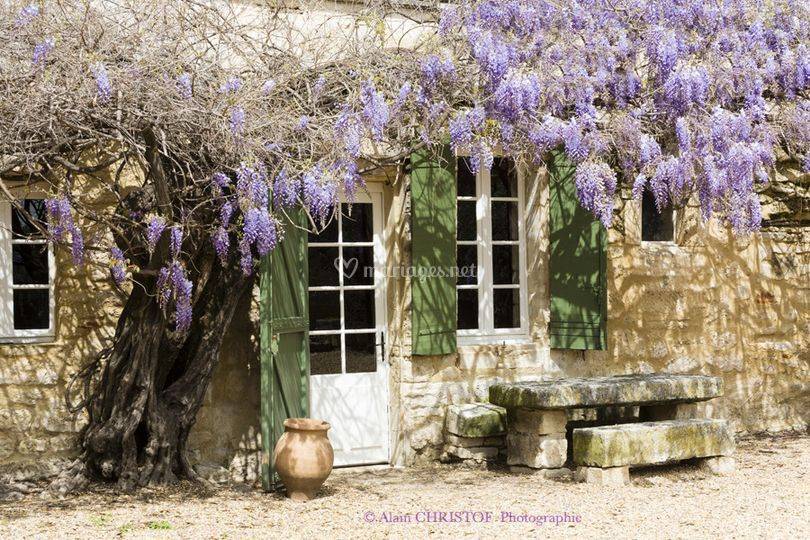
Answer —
701 301
706 302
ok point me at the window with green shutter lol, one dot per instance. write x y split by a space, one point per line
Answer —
433 249
577 265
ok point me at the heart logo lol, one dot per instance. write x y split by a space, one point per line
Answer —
349 266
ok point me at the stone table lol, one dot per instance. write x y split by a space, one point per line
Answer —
536 431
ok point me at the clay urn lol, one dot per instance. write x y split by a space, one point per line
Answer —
303 457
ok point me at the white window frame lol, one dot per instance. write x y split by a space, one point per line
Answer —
486 333
8 334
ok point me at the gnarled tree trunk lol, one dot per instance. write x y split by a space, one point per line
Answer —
150 385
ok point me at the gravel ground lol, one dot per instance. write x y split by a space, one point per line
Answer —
768 496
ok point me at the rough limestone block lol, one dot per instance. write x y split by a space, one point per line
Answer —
475 420
536 421
603 391
721 465
469 442
648 443
536 451
610 476
479 454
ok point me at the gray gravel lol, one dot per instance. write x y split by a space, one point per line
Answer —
768 497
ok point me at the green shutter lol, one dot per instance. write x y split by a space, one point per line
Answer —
433 245
284 319
578 246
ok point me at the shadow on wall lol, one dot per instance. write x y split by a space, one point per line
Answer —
36 429
227 433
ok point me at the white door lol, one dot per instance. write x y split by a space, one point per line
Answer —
348 375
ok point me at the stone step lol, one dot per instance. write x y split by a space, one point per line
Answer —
650 443
475 420
603 391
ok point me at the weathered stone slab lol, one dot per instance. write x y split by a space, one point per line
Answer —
648 443
536 421
601 391
475 420
536 451
469 442
610 476
478 454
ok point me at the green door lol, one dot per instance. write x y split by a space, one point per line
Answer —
284 341
577 265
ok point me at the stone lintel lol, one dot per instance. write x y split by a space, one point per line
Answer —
603 391
649 443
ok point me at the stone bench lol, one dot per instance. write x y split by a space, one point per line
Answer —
605 454
537 417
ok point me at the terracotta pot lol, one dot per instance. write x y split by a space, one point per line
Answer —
303 457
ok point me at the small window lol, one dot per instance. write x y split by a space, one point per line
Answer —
490 252
656 226
26 272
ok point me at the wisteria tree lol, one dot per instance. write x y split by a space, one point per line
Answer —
207 122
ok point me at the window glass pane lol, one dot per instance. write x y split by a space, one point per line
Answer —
30 263
357 222
359 309
324 354
467 309
466 229
31 309
361 352
656 226
467 263
507 308
466 178
505 265
358 265
328 234
324 310
504 220
504 177
21 226
322 266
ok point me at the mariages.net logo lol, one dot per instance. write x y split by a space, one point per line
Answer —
351 267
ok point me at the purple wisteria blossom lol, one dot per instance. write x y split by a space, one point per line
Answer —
103 84
26 15
236 121
175 241
184 87
154 229
41 52
375 110
61 224
117 265
231 85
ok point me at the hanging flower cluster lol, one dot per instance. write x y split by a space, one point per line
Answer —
61 224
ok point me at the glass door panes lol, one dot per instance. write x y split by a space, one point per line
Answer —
343 293
31 267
